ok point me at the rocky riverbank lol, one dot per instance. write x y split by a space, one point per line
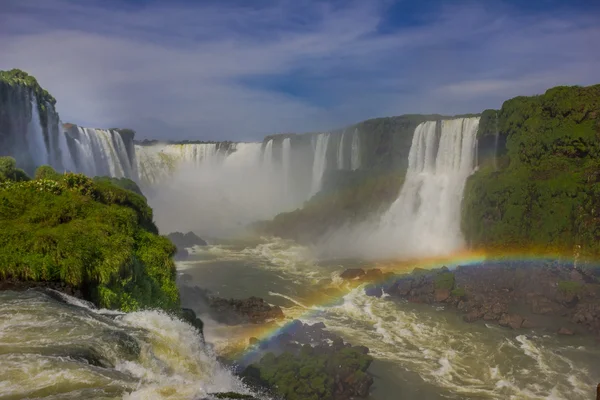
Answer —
546 296
308 359
252 310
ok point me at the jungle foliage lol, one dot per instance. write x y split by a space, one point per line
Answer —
543 194
313 374
90 234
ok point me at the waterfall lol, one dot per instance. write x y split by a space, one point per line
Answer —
158 162
199 154
101 152
35 136
340 153
286 149
67 161
319 162
355 151
425 218
268 154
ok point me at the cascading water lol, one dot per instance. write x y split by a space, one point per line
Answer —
268 154
425 218
355 151
35 136
101 152
319 162
340 152
53 349
286 160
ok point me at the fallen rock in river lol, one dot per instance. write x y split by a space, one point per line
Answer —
252 310
551 293
183 241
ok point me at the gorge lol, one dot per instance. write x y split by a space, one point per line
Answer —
290 225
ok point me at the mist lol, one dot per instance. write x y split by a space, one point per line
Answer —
219 198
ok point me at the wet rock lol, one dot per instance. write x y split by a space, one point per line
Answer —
565 331
181 255
189 316
473 316
527 324
253 309
352 274
183 241
231 396
441 295
513 321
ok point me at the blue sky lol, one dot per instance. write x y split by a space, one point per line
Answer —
242 69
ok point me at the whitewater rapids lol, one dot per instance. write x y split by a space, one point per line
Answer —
55 350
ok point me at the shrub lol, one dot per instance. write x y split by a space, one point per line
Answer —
91 235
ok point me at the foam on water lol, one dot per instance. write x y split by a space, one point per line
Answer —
70 350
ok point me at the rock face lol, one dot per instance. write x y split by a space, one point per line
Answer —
331 369
183 241
252 310
490 292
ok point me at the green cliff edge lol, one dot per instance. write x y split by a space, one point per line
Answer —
92 235
543 190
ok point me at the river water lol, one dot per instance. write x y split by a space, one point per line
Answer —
55 350
420 351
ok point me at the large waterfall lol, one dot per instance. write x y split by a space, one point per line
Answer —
100 152
319 162
425 218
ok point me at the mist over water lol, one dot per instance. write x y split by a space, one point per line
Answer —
425 218
220 198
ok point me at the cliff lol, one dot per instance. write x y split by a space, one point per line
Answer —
94 237
542 189
29 123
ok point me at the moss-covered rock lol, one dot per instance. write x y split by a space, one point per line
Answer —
544 192
91 235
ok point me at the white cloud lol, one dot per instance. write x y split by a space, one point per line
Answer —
177 72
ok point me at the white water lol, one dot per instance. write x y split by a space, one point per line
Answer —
426 215
42 340
319 162
286 160
35 136
102 152
425 218
340 152
355 151
268 155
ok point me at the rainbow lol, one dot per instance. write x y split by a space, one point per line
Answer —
390 270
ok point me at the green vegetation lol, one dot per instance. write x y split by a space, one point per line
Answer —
333 208
545 193
10 172
458 292
16 77
232 396
90 234
570 288
46 172
444 280
123 183
314 374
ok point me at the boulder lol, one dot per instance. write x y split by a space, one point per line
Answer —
565 331
513 321
352 273
186 240
441 295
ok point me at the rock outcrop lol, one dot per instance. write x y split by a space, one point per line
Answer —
517 297
252 310
331 369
